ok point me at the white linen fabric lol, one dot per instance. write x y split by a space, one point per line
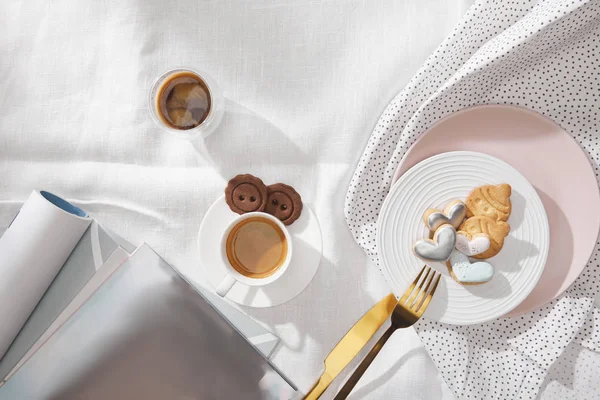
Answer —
539 55
304 82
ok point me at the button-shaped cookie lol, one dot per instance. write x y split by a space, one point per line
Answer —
246 193
283 203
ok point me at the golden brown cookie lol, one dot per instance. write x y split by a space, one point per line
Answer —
284 203
246 193
490 201
496 230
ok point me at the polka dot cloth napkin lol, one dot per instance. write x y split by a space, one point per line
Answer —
544 56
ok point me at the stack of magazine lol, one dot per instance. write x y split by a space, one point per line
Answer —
87 315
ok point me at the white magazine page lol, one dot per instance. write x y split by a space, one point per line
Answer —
33 249
90 253
112 263
146 333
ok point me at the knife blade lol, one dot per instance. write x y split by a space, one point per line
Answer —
352 343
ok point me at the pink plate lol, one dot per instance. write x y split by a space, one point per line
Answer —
553 163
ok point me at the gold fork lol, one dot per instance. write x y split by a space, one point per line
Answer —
407 312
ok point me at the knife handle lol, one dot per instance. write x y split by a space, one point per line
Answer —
319 387
362 367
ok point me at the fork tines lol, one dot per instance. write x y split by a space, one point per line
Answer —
425 283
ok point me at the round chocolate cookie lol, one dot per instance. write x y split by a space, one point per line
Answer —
284 203
246 193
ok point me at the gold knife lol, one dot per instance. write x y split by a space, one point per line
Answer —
352 343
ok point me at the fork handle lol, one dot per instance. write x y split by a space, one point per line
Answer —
364 365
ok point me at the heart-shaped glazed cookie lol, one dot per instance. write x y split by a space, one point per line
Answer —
472 245
438 249
453 214
467 273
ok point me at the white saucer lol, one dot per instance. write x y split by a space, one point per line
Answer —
306 239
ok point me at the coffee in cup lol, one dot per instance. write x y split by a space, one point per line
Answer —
186 102
183 100
256 249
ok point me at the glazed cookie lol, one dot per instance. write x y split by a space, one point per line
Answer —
472 245
284 203
440 247
465 272
496 230
453 214
490 201
246 193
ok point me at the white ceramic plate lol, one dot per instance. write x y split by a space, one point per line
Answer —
432 183
527 141
306 238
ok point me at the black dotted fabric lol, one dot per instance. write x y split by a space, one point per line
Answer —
541 55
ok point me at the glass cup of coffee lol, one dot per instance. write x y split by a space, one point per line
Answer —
186 103
256 249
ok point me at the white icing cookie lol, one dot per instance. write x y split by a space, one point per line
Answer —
472 245
467 273
438 249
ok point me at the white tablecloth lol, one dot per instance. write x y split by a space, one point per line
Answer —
305 83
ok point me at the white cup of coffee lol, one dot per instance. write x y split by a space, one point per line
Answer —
256 249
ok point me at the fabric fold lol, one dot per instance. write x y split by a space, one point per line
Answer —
541 56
